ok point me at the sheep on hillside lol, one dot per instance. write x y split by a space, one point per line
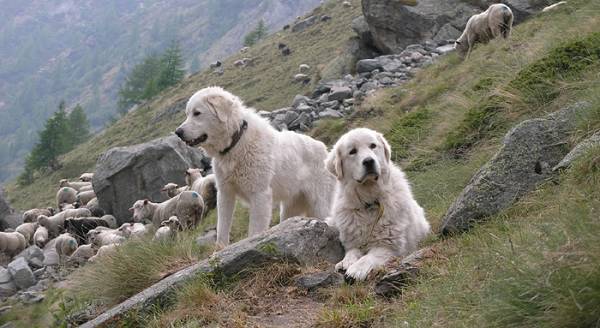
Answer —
496 21
85 197
12 243
168 229
32 214
172 189
86 177
105 236
186 203
65 245
27 230
40 237
65 195
74 184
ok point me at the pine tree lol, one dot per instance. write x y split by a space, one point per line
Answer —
79 126
171 67
259 32
54 141
140 83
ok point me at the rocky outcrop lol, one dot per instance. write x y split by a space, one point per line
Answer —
126 174
580 150
7 285
296 240
304 24
528 155
21 273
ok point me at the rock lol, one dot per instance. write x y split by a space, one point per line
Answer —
400 275
126 174
340 93
313 281
579 150
304 24
330 113
34 256
302 123
5 309
300 99
7 285
368 65
522 9
393 25
529 152
50 255
21 273
447 32
295 240
331 104
31 297
207 239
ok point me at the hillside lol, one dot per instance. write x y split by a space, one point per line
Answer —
535 264
81 51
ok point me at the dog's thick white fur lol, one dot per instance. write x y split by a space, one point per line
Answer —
264 167
373 206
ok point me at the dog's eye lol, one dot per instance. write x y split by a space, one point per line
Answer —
197 113
353 151
373 146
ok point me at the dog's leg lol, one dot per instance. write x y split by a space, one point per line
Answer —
352 255
375 258
225 205
261 210
292 208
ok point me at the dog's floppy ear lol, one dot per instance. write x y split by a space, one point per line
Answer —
219 105
333 163
386 147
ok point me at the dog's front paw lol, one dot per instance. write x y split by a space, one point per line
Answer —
359 270
351 257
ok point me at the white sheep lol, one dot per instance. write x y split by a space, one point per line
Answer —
172 189
40 237
133 230
111 220
65 245
27 230
86 188
186 203
303 68
84 197
103 251
74 184
55 224
65 195
191 175
101 236
244 49
554 6
207 188
32 214
12 243
86 177
496 21
82 254
301 78
168 229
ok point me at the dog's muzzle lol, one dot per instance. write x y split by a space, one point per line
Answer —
179 132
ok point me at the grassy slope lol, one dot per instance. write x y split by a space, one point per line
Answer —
535 264
267 85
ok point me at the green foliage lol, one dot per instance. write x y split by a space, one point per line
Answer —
406 130
259 33
148 78
539 81
79 125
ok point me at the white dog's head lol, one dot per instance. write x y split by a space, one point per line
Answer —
213 116
360 156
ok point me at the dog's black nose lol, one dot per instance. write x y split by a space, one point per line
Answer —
179 133
368 162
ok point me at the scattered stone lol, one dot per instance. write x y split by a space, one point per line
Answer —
50 255
330 113
300 99
304 24
340 93
31 297
581 149
529 152
313 281
34 256
7 285
368 65
21 273
207 239
400 275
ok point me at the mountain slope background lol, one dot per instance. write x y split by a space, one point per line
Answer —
81 51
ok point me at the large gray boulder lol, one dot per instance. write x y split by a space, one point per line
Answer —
34 256
126 174
21 273
394 25
296 240
528 155
7 285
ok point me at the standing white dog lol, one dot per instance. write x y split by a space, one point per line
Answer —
373 207
255 162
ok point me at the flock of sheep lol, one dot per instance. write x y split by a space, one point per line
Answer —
81 232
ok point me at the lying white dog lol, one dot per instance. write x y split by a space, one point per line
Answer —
255 162
373 207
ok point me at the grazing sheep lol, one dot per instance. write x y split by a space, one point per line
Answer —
347 4
104 236
281 46
65 195
27 230
190 209
554 6
168 229
79 227
145 210
94 207
172 189
303 68
40 237
86 188
32 214
82 254
244 49
86 177
496 21
111 220
55 223
207 188
286 51
65 245
12 243
75 184
191 175
301 78
133 230
103 251
84 197
216 64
